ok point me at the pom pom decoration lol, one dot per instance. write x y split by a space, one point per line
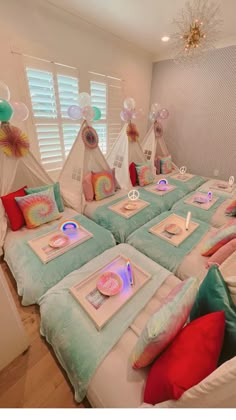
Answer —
13 142
132 132
90 137
158 129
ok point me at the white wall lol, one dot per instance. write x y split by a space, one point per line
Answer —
200 132
35 28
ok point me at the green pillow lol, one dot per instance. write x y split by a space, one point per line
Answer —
213 296
56 189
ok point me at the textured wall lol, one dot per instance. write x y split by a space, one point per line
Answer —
201 129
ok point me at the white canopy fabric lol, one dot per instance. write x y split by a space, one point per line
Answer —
122 154
153 147
14 174
79 162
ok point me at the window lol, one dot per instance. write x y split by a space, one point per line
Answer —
107 95
53 88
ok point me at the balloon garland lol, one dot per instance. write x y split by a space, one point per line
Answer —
84 110
129 111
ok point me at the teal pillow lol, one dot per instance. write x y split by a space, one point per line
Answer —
56 189
213 296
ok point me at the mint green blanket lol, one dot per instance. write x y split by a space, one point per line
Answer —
78 345
187 186
121 227
205 215
34 278
160 250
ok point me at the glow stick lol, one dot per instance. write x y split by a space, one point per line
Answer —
188 220
129 269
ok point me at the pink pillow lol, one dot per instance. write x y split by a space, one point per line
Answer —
88 187
224 252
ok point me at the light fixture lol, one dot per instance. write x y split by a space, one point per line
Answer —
197 30
165 38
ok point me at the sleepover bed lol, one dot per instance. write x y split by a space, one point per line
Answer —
225 192
186 259
33 278
121 227
98 364
187 186
215 215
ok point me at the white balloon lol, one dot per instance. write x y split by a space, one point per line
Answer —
20 112
129 103
84 99
4 91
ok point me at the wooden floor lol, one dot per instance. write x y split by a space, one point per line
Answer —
34 379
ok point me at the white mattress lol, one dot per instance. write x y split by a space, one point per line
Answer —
208 186
194 264
13 235
91 206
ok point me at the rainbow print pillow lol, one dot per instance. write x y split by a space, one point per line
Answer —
165 324
220 238
231 209
38 208
103 184
144 173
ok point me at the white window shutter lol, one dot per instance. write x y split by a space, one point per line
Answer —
68 92
42 93
115 101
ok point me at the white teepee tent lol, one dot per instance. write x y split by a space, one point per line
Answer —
14 174
122 154
79 162
154 146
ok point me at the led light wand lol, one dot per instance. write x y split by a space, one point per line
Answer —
188 220
129 269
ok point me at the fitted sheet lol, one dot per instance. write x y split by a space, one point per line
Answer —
33 278
79 346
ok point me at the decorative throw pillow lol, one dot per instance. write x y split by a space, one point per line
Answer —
189 359
220 238
88 187
144 173
165 164
165 324
224 252
38 208
133 174
15 216
56 189
231 209
103 184
213 295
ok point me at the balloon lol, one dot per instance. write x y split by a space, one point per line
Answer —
6 110
155 107
129 103
126 115
97 113
88 113
153 116
75 112
164 113
84 99
138 114
20 112
4 91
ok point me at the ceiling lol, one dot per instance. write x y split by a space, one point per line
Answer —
144 22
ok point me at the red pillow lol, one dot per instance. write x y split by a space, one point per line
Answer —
190 358
133 174
15 216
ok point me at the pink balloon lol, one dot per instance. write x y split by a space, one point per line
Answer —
74 112
20 112
88 113
126 115
164 114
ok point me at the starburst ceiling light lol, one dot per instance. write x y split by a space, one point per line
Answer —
198 26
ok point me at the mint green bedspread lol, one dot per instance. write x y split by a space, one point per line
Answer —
121 227
205 215
187 186
34 278
78 345
159 249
